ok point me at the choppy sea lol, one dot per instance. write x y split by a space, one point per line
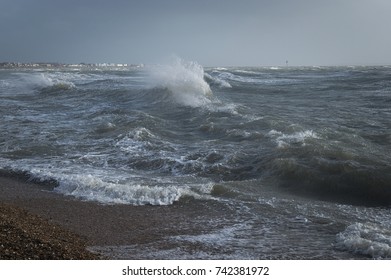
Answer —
300 155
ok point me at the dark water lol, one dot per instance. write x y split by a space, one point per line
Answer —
301 156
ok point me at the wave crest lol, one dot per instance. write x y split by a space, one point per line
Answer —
46 81
184 81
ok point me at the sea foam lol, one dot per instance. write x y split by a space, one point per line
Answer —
365 239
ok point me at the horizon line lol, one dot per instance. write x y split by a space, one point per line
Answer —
111 64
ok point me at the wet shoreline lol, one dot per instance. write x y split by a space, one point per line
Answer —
103 225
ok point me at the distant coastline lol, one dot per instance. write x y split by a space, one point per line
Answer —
65 65
82 65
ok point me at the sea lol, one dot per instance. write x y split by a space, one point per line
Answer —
300 156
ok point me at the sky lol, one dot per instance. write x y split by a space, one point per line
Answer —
211 32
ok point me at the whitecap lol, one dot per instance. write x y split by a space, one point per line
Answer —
246 72
297 138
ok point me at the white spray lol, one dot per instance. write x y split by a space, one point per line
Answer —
184 80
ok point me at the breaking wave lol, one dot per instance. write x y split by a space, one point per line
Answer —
184 81
45 81
90 187
217 81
